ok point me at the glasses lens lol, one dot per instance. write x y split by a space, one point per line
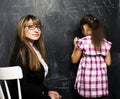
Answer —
38 27
32 27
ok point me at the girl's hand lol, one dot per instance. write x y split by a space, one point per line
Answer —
54 95
76 54
74 42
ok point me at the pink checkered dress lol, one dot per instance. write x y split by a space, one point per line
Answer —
91 80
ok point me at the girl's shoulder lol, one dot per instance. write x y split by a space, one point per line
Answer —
85 39
107 42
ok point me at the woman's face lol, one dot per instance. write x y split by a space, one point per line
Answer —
32 32
86 30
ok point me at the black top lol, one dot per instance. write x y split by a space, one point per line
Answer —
32 83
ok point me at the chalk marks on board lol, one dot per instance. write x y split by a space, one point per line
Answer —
82 6
99 6
108 5
50 7
59 82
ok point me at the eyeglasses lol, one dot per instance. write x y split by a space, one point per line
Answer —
33 27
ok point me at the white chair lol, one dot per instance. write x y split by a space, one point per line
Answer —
10 73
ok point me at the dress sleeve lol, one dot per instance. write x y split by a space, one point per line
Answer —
79 44
108 45
105 48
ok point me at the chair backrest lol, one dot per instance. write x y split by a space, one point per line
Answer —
10 73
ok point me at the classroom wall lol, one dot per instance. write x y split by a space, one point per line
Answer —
60 20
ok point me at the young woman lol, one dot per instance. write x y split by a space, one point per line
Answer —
28 52
93 52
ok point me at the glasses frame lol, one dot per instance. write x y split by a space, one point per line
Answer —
33 27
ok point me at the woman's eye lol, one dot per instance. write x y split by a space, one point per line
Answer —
30 26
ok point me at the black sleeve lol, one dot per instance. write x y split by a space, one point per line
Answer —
32 89
29 91
33 92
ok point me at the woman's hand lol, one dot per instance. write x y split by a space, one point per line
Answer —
54 95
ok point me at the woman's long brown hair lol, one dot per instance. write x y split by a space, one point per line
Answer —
34 63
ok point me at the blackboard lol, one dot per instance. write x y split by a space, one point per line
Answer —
60 20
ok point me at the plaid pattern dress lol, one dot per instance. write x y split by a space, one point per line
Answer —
91 80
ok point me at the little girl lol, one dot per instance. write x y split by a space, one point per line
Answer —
93 52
